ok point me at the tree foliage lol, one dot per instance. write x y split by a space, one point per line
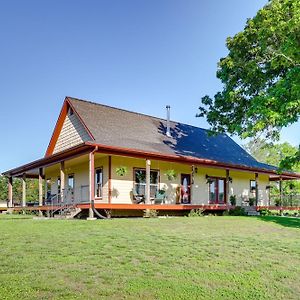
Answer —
260 75
31 189
274 154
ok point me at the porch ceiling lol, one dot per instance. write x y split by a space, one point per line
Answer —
32 168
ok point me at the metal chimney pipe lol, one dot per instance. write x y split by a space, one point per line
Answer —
168 133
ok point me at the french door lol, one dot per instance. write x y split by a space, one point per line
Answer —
185 188
217 190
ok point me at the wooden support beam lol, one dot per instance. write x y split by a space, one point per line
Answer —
62 181
147 191
24 190
10 192
227 186
40 186
91 182
256 189
40 190
280 190
109 179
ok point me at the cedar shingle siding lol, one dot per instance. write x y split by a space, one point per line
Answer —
73 133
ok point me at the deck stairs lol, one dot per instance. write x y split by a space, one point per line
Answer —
251 211
66 212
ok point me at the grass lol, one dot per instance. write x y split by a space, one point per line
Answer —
174 258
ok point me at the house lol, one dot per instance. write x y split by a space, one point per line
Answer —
107 159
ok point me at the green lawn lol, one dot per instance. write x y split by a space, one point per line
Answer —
174 258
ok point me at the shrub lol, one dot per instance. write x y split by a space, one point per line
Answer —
264 212
237 211
196 213
150 213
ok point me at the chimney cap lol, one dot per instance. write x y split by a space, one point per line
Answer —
168 106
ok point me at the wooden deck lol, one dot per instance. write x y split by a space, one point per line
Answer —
131 207
162 207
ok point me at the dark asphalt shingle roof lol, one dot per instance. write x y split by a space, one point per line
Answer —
116 127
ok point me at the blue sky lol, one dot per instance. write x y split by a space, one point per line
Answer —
134 54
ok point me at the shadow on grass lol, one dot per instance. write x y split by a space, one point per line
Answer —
284 221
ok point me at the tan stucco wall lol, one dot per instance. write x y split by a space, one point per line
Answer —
122 186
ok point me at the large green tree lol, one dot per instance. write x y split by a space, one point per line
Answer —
260 76
273 154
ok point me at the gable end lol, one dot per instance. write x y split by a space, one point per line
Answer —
69 131
72 133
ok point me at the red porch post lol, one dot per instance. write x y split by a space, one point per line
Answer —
62 181
40 190
91 183
227 187
24 190
256 189
10 192
147 192
109 179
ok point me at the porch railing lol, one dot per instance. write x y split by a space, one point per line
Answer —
284 200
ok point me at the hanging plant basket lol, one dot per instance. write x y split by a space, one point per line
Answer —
171 174
121 171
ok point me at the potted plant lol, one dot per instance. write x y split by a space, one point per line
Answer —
171 174
121 171
232 200
177 193
251 201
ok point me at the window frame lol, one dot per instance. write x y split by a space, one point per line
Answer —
101 191
73 176
58 183
48 189
151 184
216 181
253 188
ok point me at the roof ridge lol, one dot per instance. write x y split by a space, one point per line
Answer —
134 112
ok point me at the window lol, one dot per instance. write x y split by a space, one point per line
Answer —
98 183
48 189
140 182
216 190
253 186
71 182
58 189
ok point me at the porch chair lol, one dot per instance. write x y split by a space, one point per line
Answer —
137 198
160 197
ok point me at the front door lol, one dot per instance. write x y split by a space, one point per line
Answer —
217 191
185 188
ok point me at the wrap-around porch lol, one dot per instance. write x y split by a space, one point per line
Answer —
98 179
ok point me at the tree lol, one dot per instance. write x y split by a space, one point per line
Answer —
273 154
260 76
31 189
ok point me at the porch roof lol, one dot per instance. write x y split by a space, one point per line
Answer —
31 169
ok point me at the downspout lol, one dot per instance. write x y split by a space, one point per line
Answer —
93 201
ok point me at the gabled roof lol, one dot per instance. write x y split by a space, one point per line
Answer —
125 129
116 131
